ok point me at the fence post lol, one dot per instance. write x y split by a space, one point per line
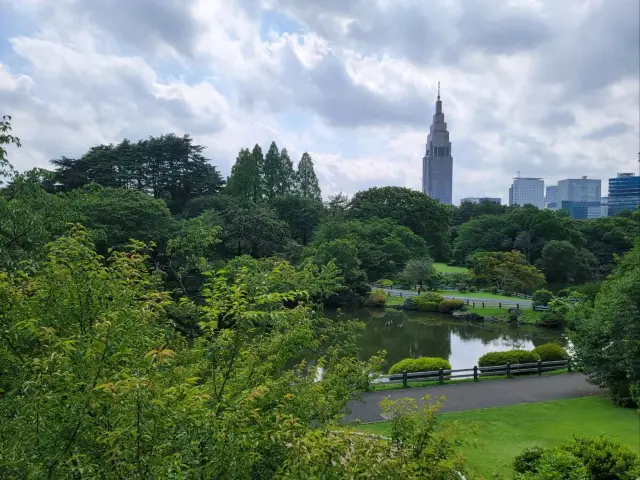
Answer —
473 304
499 304
441 376
518 306
508 369
475 373
404 379
569 365
482 304
539 368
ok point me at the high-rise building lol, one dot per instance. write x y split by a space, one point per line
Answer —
437 164
580 197
551 196
482 199
524 191
624 193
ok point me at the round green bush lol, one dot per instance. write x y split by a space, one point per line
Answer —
494 359
542 297
558 464
386 283
449 305
421 364
526 460
431 297
377 298
421 303
551 352
604 457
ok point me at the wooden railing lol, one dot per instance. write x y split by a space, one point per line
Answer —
475 372
480 303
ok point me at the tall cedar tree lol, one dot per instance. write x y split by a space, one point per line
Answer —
258 173
306 179
247 175
271 171
286 176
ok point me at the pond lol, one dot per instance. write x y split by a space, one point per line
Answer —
406 334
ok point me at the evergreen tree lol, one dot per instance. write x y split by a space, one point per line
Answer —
286 177
272 171
306 180
242 179
257 173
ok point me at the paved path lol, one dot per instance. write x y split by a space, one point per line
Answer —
512 302
484 394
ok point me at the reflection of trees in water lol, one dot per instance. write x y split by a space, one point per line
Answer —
411 334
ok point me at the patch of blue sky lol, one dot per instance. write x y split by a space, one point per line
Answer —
271 20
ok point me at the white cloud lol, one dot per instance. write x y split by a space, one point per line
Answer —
548 88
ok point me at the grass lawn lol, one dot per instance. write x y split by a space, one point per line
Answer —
444 268
528 316
487 295
395 300
504 432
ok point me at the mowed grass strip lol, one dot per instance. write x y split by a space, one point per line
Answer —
444 268
503 432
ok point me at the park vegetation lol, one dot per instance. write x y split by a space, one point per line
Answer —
155 317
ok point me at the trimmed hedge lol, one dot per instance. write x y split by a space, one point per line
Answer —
494 359
449 305
421 303
377 298
542 297
551 352
421 364
432 297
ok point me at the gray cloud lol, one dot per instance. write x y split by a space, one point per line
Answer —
610 130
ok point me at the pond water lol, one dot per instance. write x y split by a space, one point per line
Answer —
406 334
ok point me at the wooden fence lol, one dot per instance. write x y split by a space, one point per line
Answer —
481 303
476 372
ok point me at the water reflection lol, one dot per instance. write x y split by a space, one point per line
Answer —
412 334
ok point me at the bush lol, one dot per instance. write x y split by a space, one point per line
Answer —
432 297
551 352
449 305
542 297
377 298
494 290
427 302
473 289
492 359
551 320
421 364
386 283
582 457
566 292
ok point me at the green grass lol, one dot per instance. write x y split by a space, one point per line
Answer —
430 383
504 432
490 296
530 317
444 268
395 300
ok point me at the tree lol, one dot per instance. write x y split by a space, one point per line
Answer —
488 233
272 171
507 271
96 383
606 336
419 271
302 214
337 205
286 175
306 180
564 263
6 138
246 180
426 217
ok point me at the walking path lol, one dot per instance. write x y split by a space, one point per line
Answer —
473 396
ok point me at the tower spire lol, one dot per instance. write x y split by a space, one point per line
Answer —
438 90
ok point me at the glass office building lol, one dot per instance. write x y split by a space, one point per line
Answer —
624 193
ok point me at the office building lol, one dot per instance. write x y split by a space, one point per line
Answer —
482 199
437 164
550 197
604 207
527 191
580 197
624 193
582 210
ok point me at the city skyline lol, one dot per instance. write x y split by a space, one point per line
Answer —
437 163
546 87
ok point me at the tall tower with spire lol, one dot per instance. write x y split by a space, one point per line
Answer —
437 164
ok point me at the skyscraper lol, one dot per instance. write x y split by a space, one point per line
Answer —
551 197
437 164
624 193
580 197
525 191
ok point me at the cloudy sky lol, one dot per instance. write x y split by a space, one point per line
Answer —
545 87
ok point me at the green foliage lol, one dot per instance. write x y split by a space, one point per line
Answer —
377 298
550 352
386 283
421 364
461 281
450 305
301 214
6 138
246 180
606 336
488 233
431 297
582 457
306 181
423 215
420 271
507 271
491 359
421 304
542 297
564 263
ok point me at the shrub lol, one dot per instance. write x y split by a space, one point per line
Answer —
423 303
526 460
491 359
558 465
542 297
432 297
551 352
473 289
604 457
386 283
449 305
551 320
421 364
494 290
566 292
377 298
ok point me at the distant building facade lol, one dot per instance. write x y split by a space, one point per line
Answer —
581 197
624 193
604 207
550 197
437 164
527 191
482 199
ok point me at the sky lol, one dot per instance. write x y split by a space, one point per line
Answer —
546 88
